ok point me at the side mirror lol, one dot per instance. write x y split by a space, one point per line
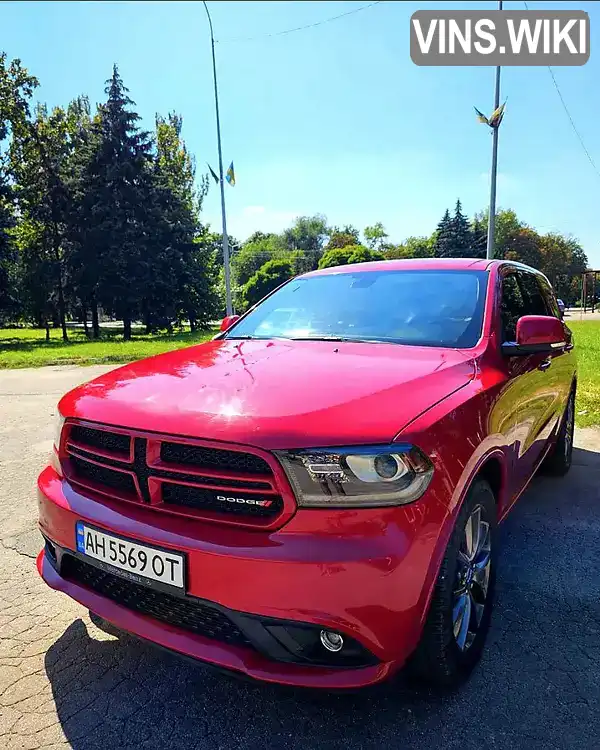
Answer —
228 321
536 334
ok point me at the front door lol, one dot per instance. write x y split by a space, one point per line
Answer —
535 381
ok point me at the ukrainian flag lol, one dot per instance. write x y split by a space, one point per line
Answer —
230 175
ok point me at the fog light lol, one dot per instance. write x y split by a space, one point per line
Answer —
331 641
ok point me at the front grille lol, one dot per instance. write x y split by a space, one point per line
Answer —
100 439
103 476
185 478
210 458
188 614
203 499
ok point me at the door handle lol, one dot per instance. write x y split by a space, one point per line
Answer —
569 347
545 364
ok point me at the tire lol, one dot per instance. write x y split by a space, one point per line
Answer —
559 460
447 653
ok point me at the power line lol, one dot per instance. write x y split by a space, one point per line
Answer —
301 28
562 101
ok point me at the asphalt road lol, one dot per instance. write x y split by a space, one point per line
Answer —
66 683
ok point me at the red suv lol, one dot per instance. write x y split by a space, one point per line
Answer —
312 498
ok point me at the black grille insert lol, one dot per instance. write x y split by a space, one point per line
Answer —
185 613
204 499
211 458
86 472
100 439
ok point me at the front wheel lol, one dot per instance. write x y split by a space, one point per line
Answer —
459 615
559 460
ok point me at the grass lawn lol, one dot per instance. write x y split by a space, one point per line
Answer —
27 347
587 344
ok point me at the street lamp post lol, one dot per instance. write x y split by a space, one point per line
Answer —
229 304
492 212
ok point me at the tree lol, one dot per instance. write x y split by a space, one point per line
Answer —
412 247
523 246
461 234
122 201
479 238
271 275
8 252
84 231
507 225
254 253
375 236
308 234
340 238
444 241
16 89
350 254
39 155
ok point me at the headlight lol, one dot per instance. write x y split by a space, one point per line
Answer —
59 421
358 476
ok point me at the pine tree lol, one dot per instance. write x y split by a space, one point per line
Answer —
122 174
462 238
444 237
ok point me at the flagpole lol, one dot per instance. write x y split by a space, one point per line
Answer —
229 305
492 212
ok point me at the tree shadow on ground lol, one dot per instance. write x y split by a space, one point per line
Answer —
538 685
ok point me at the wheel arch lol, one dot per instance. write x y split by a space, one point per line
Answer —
493 467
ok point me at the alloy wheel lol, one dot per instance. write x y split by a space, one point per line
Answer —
472 579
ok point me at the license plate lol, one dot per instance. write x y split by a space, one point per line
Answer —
132 560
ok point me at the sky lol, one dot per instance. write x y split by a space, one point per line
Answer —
334 119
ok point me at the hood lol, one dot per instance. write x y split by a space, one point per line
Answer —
275 393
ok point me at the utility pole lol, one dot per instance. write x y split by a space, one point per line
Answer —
492 212
229 304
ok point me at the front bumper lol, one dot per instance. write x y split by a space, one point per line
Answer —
364 574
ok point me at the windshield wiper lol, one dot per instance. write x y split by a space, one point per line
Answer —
322 338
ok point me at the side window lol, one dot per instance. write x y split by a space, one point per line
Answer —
549 296
512 306
532 294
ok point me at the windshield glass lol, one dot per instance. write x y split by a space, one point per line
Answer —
422 308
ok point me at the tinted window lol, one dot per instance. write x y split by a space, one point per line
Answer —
512 306
534 300
422 308
549 296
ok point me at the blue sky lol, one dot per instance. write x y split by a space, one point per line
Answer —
334 119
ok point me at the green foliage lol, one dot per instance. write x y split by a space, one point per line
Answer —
254 253
307 235
454 237
412 247
96 214
342 237
268 277
375 236
443 239
351 254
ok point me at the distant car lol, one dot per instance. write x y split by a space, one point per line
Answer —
312 498
561 307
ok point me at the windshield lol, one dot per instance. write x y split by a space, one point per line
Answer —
421 308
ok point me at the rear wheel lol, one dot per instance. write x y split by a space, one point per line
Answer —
559 461
459 615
